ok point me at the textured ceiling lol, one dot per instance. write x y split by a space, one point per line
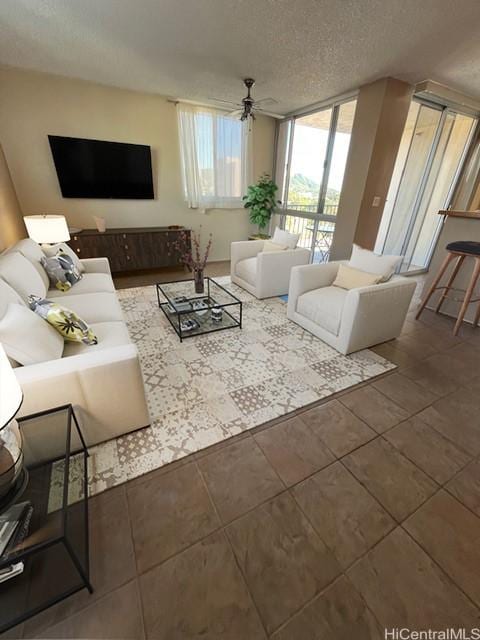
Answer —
299 51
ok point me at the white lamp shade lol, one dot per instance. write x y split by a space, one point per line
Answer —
47 229
10 391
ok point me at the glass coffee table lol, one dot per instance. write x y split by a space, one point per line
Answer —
193 314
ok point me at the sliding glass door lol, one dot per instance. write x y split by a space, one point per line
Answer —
314 153
428 162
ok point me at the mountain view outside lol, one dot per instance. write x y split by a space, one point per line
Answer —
310 140
303 195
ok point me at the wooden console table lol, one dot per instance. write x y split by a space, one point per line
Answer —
132 248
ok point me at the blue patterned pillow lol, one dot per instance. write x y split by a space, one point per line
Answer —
62 272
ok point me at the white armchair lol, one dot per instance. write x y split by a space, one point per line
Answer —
347 320
264 275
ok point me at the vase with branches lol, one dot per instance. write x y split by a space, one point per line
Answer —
193 256
261 201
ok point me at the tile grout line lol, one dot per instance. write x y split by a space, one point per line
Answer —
440 568
229 543
138 575
224 525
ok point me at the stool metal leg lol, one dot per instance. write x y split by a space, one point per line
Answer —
468 295
448 258
449 284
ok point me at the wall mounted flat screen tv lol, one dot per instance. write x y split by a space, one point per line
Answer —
98 169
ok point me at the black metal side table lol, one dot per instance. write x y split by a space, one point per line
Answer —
55 550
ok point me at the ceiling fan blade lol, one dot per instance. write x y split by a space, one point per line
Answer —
234 114
266 101
235 104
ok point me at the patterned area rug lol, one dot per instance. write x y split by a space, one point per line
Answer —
214 386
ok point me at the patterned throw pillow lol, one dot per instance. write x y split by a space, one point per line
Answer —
63 273
66 322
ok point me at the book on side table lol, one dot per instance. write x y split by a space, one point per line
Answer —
13 528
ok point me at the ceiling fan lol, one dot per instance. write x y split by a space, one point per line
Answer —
247 107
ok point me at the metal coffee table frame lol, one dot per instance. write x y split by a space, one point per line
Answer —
178 315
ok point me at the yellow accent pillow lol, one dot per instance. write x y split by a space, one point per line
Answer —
66 322
269 246
349 278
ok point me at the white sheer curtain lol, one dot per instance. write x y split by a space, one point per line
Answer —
216 152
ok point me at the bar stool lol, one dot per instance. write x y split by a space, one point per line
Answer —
457 251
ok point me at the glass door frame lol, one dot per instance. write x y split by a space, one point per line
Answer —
316 217
445 111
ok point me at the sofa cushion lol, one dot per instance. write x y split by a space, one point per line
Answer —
109 334
28 248
323 307
21 275
92 307
90 283
247 270
7 295
27 338
51 250
33 252
281 236
371 262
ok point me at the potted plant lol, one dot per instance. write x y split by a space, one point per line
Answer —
261 201
192 256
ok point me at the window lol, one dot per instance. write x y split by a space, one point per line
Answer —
215 153
430 157
312 153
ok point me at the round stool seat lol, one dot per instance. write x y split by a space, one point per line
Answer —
465 246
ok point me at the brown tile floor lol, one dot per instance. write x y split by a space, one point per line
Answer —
359 514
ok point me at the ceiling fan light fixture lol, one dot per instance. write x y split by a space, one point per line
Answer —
248 106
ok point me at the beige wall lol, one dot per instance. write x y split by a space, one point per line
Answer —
34 105
382 108
11 220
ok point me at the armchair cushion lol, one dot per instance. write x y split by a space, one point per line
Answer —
281 236
273 246
371 262
323 307
349 278
247 270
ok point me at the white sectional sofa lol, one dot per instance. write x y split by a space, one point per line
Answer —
103 382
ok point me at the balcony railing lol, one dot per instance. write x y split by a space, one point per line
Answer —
316 235
328 209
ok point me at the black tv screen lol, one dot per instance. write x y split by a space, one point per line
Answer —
98 169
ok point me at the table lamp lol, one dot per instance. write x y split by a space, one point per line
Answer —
47 229
12 473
